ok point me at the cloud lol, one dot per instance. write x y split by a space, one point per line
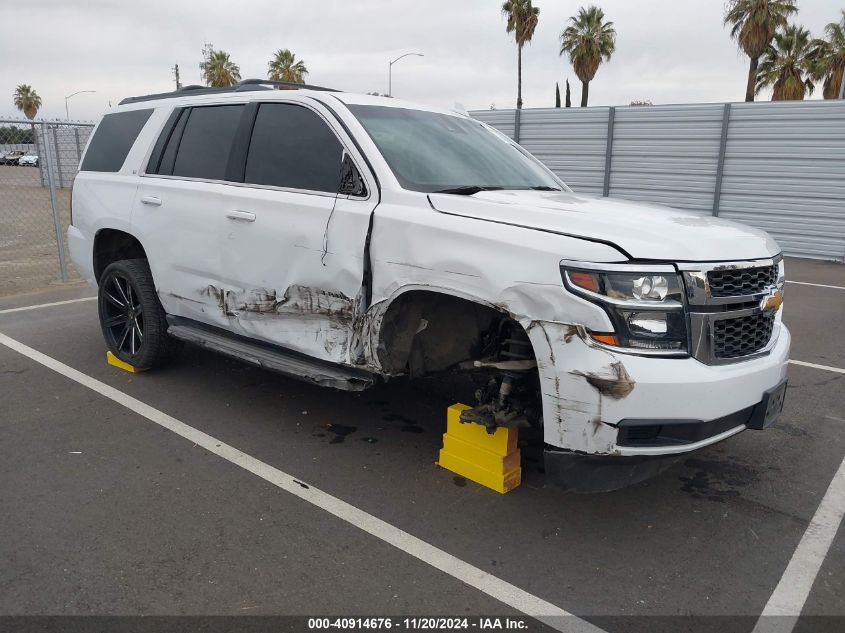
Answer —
667 51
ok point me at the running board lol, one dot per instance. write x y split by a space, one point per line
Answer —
270 357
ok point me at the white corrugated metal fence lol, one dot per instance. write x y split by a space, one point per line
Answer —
777 166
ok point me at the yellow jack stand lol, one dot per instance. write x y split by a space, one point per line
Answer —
116 362
492 460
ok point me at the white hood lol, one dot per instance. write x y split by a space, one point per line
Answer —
644 231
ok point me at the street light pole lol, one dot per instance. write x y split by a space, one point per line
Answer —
67 115
390 71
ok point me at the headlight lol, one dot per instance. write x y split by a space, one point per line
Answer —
645 304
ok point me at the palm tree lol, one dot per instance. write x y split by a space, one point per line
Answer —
787 65
284 67
829 54
219 71
522 20
588 40
754 24
27 101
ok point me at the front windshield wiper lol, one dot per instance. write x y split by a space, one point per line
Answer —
544 188
468 190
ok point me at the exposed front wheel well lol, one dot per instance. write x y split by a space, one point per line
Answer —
424 332
111 245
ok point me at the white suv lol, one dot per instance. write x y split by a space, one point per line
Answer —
343 239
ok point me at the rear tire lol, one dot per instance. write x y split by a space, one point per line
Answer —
133 322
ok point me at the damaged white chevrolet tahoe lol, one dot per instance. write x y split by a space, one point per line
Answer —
346 239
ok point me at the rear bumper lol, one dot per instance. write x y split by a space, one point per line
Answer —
81 254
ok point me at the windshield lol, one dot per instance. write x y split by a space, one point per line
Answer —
432 152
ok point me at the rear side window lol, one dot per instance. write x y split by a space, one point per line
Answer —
291 146
203 150
113 140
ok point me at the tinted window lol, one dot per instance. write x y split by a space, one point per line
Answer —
204 148
113 140
291 146
164 151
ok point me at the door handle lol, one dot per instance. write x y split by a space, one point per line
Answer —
151 200
241 216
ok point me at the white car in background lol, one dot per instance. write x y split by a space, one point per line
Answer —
11 158
28 160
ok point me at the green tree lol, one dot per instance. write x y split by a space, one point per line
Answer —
787 65
285 67
218 70
568 95
829 55
16 135
522 20
753 25
557 95
27 101
588 40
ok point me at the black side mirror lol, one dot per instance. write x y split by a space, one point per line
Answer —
351 183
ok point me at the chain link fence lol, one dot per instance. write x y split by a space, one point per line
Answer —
38 161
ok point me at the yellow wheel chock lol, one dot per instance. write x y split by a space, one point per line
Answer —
492 460
116 362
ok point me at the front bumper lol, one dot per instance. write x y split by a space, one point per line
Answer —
592 395
577 472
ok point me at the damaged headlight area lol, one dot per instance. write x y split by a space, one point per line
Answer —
645 303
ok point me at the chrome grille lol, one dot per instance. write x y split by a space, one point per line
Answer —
727 303
741 336
734 282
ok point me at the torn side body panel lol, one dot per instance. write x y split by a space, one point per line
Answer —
296 300
300 318
574 399
270 357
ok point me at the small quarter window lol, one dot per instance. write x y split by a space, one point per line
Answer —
113 139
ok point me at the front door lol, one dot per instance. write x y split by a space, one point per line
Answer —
292 248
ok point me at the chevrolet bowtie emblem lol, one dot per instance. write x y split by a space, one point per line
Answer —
773 301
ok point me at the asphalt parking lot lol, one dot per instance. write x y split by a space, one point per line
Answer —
160 494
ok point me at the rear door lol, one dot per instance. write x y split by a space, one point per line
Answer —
178 212
293 248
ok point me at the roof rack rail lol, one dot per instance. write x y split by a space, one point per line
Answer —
284 84
242 86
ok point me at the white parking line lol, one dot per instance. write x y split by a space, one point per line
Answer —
46 305
835 370
787 601
807 283
497 588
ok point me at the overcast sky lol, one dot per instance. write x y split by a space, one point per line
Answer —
667 51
